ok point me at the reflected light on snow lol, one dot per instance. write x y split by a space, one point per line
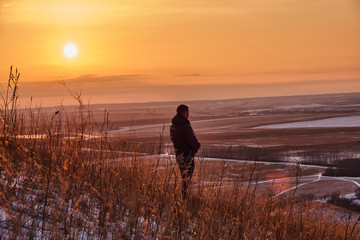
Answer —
278 181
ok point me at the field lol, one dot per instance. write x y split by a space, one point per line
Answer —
325 129
108 171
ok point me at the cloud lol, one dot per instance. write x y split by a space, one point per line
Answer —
44 12
303 72
90 85
139 88
190 75
105 81
276 73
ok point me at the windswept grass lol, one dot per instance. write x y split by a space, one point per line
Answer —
65 180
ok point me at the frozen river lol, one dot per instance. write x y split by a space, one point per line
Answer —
352 121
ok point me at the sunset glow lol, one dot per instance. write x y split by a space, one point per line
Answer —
218 49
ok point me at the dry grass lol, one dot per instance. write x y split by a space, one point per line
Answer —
68 185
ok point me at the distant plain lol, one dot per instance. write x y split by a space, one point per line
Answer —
239 131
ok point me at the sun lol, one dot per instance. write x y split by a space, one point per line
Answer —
70 50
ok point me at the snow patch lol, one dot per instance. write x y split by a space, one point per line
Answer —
352 121
289 107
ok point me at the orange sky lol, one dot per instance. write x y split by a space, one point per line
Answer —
152 50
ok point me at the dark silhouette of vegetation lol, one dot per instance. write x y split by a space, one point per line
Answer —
357 193
345 167
340 201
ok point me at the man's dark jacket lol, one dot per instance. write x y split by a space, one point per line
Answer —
183 136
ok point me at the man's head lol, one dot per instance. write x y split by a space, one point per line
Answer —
183 110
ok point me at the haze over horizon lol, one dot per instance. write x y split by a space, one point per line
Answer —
144 51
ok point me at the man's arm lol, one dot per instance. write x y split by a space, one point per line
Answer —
191 139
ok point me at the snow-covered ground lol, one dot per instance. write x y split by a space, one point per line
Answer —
296 106
352 121
159 125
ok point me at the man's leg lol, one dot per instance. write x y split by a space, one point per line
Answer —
187 166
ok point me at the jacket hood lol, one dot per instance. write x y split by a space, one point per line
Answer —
179 120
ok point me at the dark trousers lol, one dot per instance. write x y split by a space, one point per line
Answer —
186 165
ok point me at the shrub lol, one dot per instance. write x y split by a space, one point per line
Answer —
345 167
357 193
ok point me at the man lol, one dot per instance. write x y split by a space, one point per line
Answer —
185 144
